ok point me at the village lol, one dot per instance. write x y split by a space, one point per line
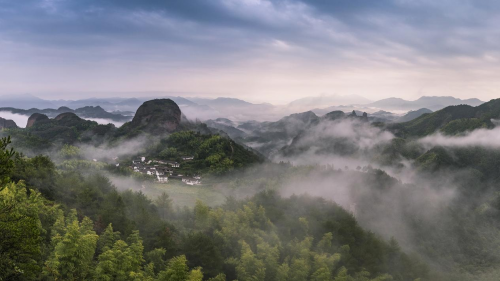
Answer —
164 170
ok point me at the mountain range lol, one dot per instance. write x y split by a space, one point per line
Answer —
432 103
240 110
372 160
89 112
331 100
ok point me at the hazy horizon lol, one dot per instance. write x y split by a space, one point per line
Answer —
259 50
159 95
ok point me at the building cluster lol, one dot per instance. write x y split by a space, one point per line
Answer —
164 170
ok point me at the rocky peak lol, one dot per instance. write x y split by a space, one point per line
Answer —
7 123
35 118
157 116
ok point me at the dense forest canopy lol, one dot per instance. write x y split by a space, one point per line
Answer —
346 200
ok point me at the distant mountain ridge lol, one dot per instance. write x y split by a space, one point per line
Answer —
432 103
328 100
24 101
240 110
413 115
84 112
450 120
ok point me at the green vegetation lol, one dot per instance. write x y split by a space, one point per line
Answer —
213 154
52 133
66 220
450 120
90 231
185 195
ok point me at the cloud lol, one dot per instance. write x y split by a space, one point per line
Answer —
249 47
121 149
344 142
21 120
479 137
106 121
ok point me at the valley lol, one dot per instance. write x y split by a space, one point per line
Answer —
382 179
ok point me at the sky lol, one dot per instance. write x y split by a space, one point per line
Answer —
259 50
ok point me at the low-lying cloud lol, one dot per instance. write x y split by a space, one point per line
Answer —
104 121
21 120
480 137
111 151
340 141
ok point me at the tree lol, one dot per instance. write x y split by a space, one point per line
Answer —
6 161
299 269
155 257
201 251
249 268
195 275
323 266
220 277
73 252
177 270
107 239
169 153
342 275
164 204
201 213
19 232
69 151
282 272
270 256
123 261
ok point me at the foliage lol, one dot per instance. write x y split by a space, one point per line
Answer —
69 151
213 154
6 161
68 222
450 120
20 232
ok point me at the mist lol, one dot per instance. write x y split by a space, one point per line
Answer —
488 138
123 148
21 120
386 199
104 121
345 142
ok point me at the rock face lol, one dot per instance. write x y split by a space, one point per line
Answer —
7 124
35 118
157 116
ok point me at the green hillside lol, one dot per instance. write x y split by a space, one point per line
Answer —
213 154
126 236
450 120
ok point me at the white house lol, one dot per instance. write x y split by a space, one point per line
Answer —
187 158
173 164
162 178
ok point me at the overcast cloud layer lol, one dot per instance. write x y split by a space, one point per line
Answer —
267 50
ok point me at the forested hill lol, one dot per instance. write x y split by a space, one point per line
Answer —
70 224
450 120
160 128
83 112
